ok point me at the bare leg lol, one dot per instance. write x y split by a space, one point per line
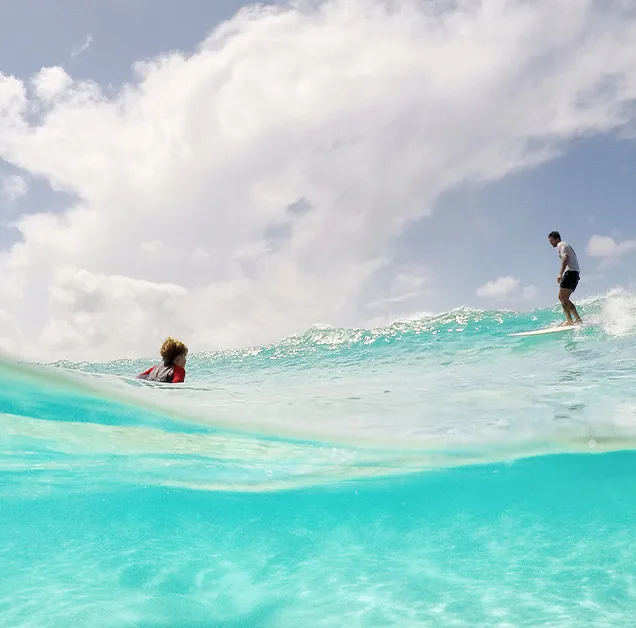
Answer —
564 298
568 307
577 318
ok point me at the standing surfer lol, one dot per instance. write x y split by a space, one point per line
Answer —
568 277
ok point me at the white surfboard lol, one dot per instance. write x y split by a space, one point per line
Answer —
547 330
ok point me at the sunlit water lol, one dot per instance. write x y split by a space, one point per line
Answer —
434 472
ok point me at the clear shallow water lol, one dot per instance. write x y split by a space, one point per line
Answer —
431 473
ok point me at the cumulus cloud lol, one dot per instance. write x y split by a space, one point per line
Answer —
51 83
98 309
258 186
500 289
506 289
608 250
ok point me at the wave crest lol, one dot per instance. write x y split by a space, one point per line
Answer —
334 403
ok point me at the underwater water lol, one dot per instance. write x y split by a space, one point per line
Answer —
433 472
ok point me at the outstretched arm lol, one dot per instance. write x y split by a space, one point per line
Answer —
143 375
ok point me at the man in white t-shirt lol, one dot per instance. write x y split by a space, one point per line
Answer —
568 278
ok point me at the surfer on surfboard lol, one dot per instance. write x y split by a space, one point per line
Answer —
568 277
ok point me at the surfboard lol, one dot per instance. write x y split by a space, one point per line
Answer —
547 330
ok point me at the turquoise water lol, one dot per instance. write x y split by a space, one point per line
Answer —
434 472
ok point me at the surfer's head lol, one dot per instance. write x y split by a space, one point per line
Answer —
554 237
173 351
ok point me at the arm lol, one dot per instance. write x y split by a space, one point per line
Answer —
141 375
562 249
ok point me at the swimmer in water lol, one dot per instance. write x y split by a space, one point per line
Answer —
172 369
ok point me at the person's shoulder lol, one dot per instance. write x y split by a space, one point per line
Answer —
178 374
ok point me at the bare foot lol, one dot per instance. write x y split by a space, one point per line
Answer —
566 324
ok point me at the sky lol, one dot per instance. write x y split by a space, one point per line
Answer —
233 173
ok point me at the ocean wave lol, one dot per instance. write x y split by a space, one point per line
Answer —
333 404
613 314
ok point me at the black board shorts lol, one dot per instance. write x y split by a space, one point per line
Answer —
570 280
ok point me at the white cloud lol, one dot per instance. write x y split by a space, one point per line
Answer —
83 47
101 309
12 188
501 288
267 176
529 292
51 83
399 288
507 289
609 250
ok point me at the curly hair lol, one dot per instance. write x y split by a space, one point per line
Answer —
171 349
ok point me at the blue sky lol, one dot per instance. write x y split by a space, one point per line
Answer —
36 34
591 189
448 236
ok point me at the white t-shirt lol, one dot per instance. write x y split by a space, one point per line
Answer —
564 249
